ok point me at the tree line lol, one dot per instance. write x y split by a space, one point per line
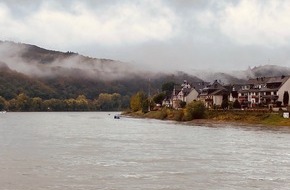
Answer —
140 102
104 102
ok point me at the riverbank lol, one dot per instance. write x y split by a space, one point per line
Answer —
239 117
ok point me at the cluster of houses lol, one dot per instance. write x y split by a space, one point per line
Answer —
262 91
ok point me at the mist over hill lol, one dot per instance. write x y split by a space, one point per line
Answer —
43 73
267 70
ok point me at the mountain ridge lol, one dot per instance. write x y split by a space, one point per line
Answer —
36 71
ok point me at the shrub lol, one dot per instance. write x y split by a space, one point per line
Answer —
195 110
178 115
225 104
236 104
182 104
145 106
157 99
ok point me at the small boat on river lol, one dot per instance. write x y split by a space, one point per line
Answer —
117 117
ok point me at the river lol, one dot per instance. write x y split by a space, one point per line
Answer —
91 150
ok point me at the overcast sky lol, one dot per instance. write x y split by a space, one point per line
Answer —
156 34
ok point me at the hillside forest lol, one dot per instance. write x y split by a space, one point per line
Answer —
36 79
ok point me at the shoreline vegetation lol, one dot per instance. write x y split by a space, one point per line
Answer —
217 117
196 112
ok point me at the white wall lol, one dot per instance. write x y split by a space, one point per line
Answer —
284 87
217 100
191 96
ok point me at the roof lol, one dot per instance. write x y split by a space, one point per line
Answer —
259 80
216 85
199 85
187 90
281 79
265 80
267 83
218 92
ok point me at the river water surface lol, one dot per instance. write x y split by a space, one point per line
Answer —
89 150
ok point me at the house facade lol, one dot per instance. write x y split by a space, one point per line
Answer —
183 93
264 91
213 94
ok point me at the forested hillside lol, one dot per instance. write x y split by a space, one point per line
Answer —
34 72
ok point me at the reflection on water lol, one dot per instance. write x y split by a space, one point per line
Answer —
94 151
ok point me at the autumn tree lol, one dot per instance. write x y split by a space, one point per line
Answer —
108 102
82 103
36 104
137 101
22 102
54 105
2 103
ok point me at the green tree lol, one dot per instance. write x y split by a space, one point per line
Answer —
159 98
116 101
145 105
286 98
168 88
195 110
125 102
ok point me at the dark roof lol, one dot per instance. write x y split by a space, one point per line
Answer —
259 80
216 85
237 87
267 83
228 87
281 79
218 92
199 85
265 80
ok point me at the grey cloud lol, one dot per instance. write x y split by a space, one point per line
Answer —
196 34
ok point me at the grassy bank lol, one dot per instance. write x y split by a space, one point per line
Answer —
219 116
250 117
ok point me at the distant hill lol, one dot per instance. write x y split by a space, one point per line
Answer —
12 83
242 76
39 72
52 74
223 78
267 71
